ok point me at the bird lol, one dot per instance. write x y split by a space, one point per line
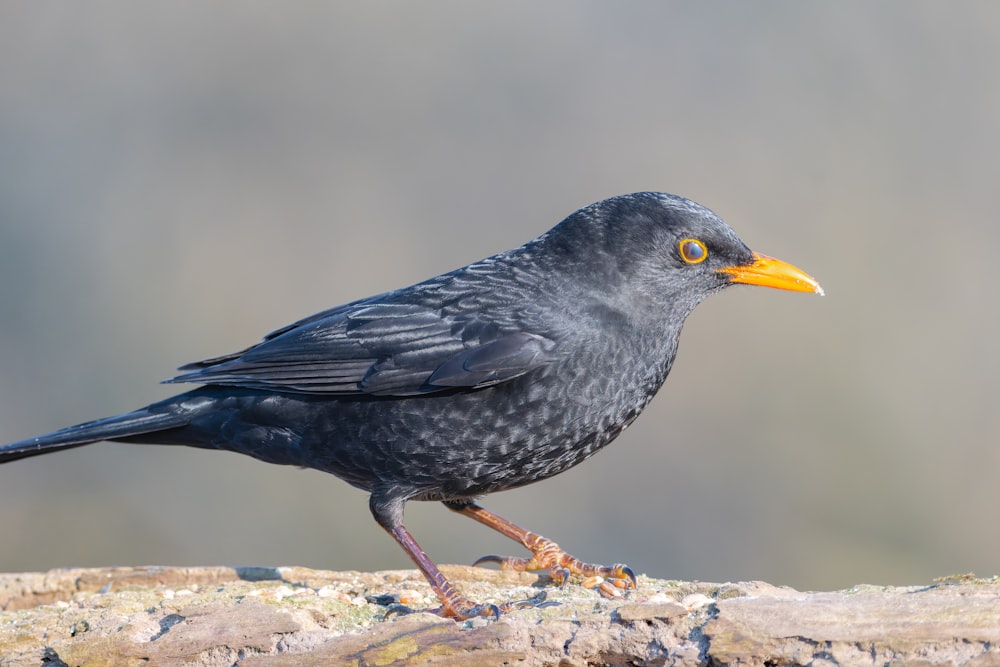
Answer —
489 377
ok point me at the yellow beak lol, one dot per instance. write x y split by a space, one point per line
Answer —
770 272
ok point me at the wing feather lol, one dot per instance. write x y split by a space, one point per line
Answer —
379 348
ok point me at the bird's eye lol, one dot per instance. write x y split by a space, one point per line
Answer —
693 251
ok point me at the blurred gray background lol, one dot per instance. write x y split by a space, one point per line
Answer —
178 179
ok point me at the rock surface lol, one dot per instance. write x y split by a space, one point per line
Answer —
294 616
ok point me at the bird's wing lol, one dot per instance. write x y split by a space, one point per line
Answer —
378 348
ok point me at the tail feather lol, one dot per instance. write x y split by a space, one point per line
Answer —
111 428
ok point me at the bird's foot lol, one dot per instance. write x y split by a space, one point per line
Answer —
609 580
461 609
458 613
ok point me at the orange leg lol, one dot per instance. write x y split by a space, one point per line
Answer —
546 555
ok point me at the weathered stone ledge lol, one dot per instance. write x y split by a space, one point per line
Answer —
295 616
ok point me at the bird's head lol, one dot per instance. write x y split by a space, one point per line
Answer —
668 251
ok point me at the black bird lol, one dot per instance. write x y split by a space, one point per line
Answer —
498 374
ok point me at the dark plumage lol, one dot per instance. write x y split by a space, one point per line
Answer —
495 375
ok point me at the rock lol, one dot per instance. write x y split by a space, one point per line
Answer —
256 617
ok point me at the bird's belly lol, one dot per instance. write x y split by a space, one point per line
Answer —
463 444
447 445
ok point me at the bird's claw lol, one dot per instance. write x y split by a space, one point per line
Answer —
502 561
536 602
475 611
394 602
397 609
560 575
609 581
622 576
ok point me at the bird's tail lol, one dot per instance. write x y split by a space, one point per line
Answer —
112 428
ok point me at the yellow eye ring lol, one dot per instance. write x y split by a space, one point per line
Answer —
693 251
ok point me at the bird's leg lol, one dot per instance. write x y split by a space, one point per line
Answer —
453 603
546 555
388 512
